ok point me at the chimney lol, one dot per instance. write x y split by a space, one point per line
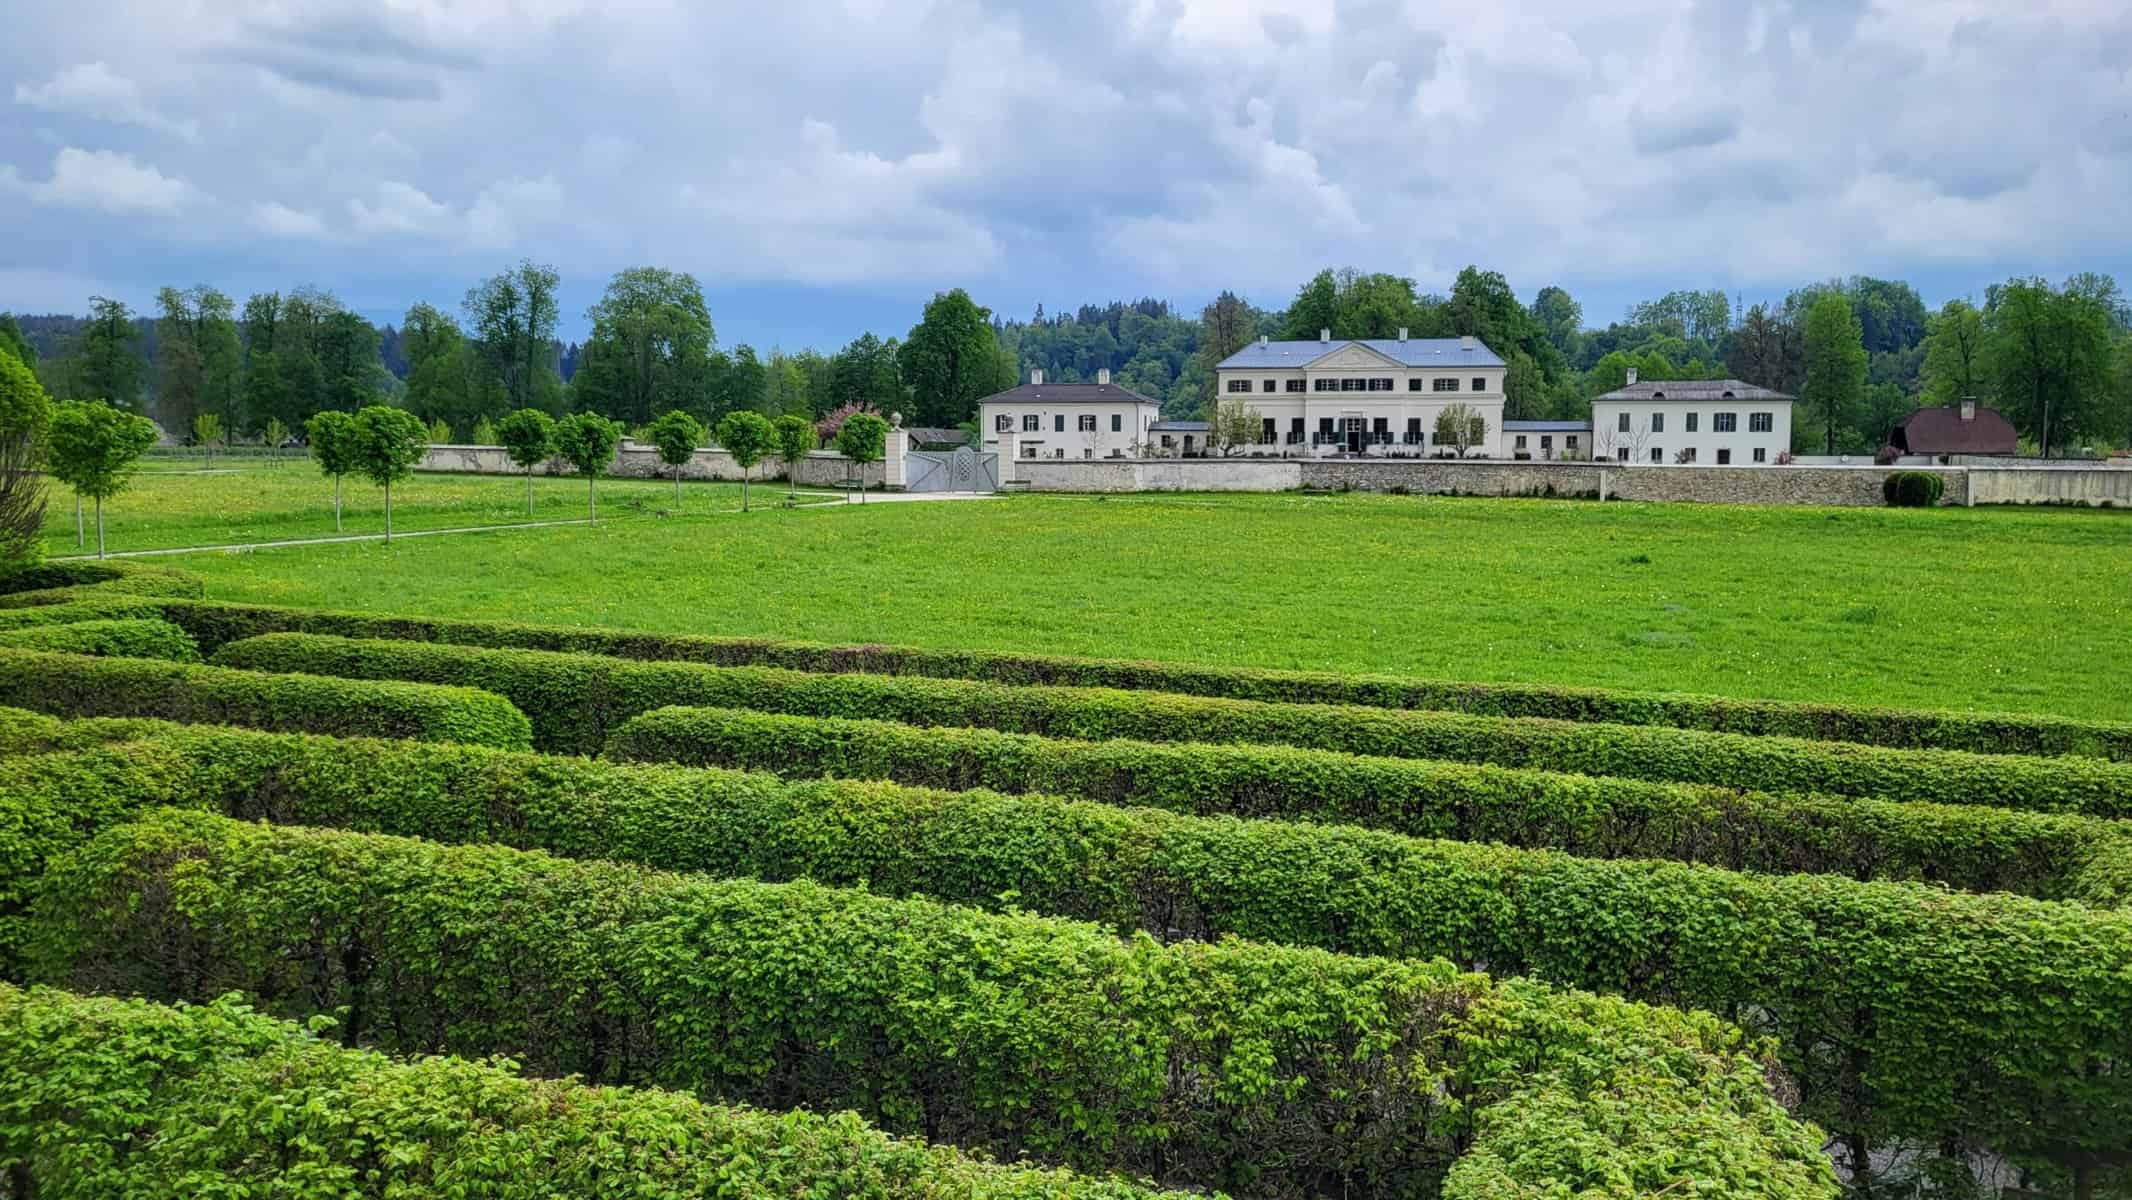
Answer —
1103 376
1402 333
1632 376
1469 342
1262 341
1325 335
1036 376
1969 408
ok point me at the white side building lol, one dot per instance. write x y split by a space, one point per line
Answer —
1066 420
1710 422
1378 396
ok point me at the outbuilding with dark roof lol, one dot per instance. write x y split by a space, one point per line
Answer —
1955 429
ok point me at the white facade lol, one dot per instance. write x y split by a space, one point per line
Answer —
1068 420
1379 396
1706 423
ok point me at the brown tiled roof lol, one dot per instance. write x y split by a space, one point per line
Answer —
1943 431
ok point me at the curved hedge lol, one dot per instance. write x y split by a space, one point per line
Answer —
215 623
1969 847
76 582
1912 489
1984 1011
70 685
107 1098
119 639
100 609
1267 1069
25 732
576 700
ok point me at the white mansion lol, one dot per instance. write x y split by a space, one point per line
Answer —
1364 396
1713 422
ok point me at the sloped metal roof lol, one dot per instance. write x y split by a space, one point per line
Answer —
1414 352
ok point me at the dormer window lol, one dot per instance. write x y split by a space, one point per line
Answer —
1658 395
1727 396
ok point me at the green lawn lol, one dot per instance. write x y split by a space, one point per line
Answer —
1987 608
181 503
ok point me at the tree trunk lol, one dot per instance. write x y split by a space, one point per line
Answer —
677 487
80 537
388 511
592 498
99 527
529 493
337 504
744 489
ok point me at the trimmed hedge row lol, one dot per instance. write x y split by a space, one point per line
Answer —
1986 1015
116 639
70 583
576 700
215 624
108 1098
70 685
25 732
1271 1070
1973 848
101 609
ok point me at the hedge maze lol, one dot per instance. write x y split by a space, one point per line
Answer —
865 920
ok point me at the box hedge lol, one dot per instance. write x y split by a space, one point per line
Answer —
576 700
1272 1070
77 582
1949 986
114 608
216 623
1912 489
108 1098
1969 847
25 732
121 639
70 685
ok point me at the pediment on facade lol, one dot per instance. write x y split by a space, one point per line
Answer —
1353 358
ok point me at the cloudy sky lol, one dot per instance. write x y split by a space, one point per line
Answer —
824 166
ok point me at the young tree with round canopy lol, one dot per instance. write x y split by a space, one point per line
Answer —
94 449
795 437
332 435
676 435
863 439
587 440
387 443
749 437
25 421
528 436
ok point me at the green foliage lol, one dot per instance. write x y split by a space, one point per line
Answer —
386 443
951 360
87 609
1968 846
109 364
94 448
862 438
1912 489
676 435
111 1097
2048 355
1833 400
511 320
587 441
576 700
68 685
748 436
1265 1069
334 444
437 432
25 420
528 436
649 349
23 732
68 583
795 439
484 433
124 638
1954 1060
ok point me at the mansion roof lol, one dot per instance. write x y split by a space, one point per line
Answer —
1068 393
1703 390
1407 352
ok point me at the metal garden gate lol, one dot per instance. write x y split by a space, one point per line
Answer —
963 470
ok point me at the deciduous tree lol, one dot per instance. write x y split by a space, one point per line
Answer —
108 364
386 443
795 439
587 441
862 438
748 436
1834 394
2048 352
94 449
1462 426
333 446
1954 354
512 317
528 436
676 435
1236 423
25 421
950 360
650 346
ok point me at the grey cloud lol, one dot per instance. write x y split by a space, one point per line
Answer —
1664 134
379 81
356 52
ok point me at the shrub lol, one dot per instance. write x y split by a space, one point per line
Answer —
214 623
26 732
102 1097
123 639
68 685
575 700
73 583
117 608
1266 1069
1912 489
1965 846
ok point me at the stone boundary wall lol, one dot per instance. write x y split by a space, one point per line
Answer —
635 460
2099 486
1160 474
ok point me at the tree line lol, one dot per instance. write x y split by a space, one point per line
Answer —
1860 353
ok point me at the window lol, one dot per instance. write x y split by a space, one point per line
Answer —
1761 422
1413 437
1658 422
1444 385
1724 458
1725 422
1380 430
1166 442
1414 384
1088 452
1324 385
1657 455
1621 424
1325 427
1031 423
1117 422
1295 385
1265 432
1520 444
1380 385
1621 454
1003 422
1085 423
1570 442
1479 384
1547 441
1239 385
1267 385
1761 455
1295 429
1692 422
1688 455
1059 453
1058 423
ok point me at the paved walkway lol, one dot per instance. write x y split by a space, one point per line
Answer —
821 500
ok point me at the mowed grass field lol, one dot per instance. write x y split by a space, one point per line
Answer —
2002 609
184 503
